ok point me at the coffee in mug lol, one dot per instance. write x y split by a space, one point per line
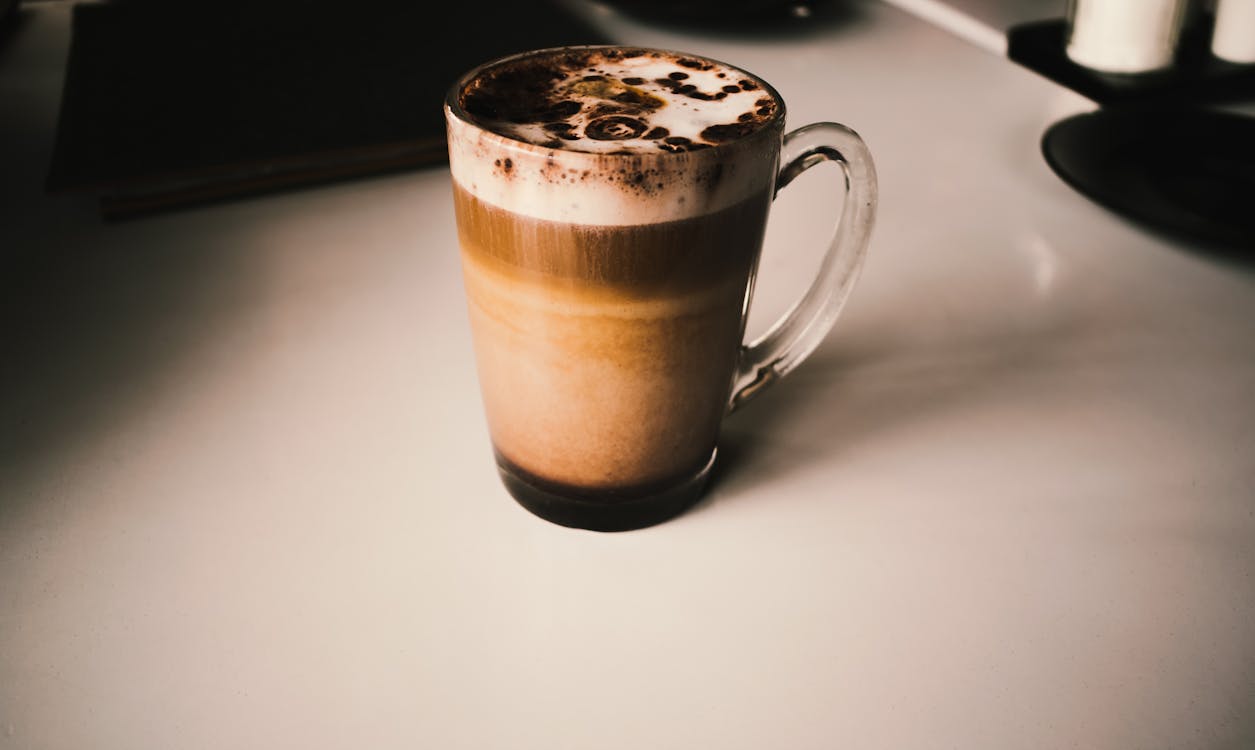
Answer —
611 204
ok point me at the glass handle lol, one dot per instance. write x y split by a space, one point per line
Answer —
803 327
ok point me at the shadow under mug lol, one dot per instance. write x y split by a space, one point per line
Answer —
608 294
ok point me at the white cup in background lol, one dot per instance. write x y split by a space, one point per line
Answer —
1124 36
1234 37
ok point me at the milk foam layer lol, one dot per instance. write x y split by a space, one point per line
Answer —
613 136
616 100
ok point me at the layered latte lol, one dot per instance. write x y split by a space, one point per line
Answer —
611 204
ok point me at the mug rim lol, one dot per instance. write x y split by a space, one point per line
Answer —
453 107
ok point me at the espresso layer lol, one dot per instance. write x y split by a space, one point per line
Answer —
646 261
605 353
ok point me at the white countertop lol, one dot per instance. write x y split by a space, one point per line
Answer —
247 498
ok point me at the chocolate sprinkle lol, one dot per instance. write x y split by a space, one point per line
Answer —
730 132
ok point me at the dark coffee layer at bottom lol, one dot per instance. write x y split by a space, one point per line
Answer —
616 509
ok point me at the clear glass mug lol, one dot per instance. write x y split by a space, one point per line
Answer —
608 290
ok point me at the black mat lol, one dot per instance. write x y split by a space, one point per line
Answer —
169 103
1188 172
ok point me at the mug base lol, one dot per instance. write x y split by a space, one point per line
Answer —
604 510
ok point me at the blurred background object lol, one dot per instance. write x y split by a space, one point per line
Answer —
8 12
733 19
1124 36
1109 61
1204 195
702 10
1148 64
171 104
1234 36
